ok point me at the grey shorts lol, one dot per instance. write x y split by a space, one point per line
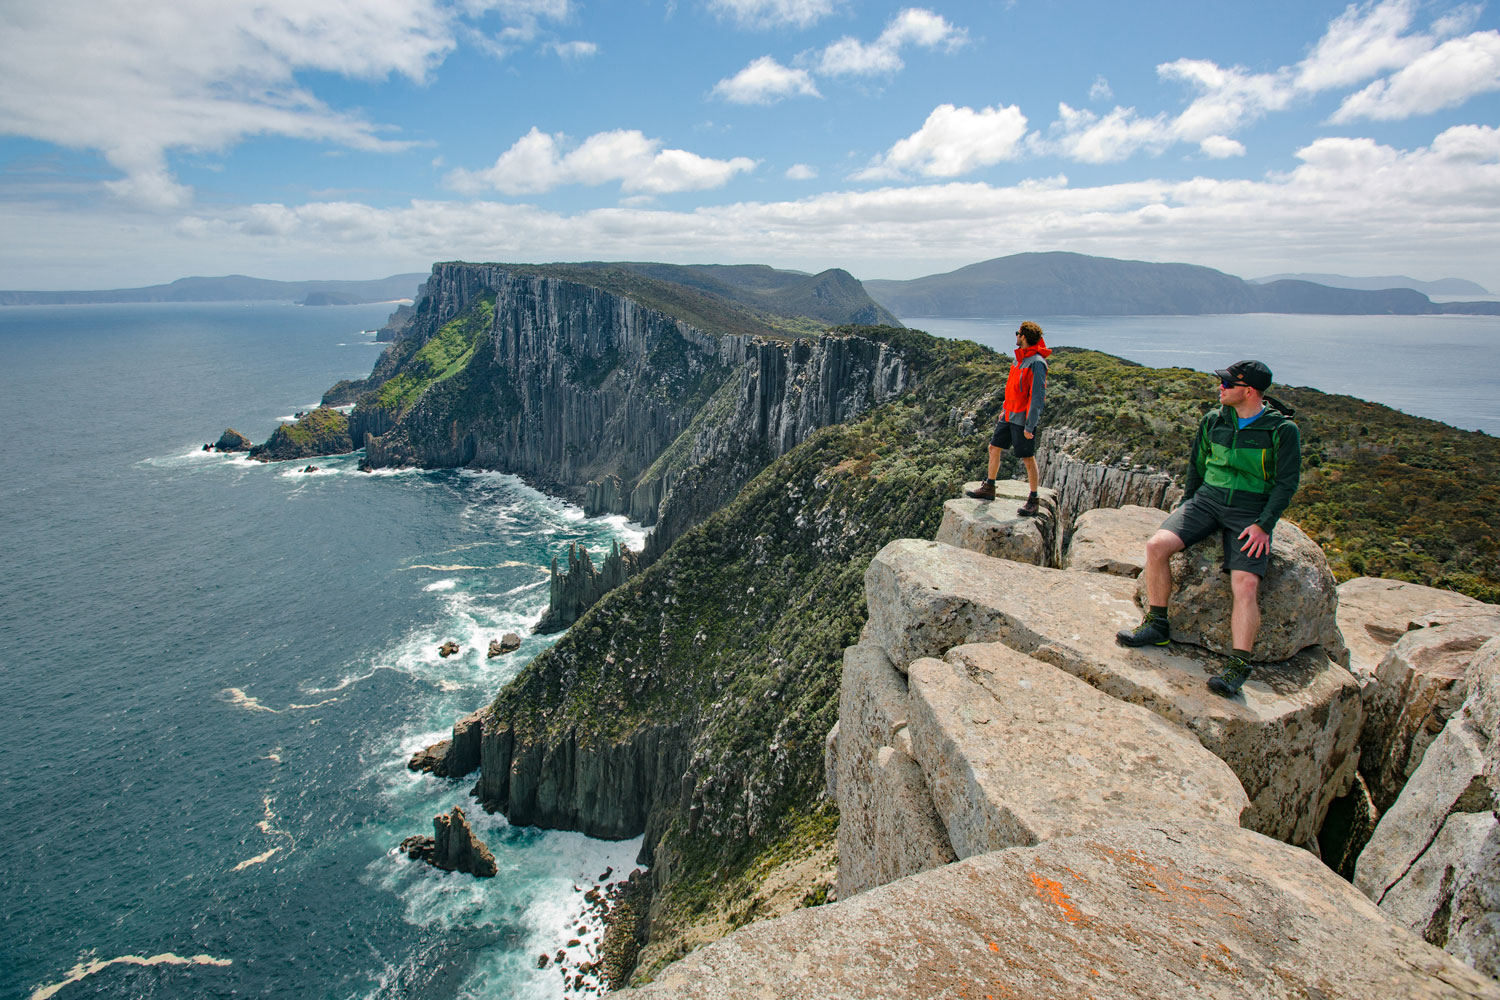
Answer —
1206 513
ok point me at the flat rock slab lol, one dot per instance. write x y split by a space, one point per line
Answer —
1374 613
1290 737
1128 913
1112 540
1016 751
994 528
1298 599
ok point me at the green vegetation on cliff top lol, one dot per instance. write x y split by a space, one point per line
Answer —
443 356
736 634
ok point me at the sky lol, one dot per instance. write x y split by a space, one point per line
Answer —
301 139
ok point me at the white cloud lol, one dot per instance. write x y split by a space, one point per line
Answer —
1361 42
1221 147
800 172
1080 134
913 26
137 82
1446 77
953 141
773 13
573 51
766 81
536 163
1101 91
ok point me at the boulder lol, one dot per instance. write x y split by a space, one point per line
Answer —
1432 860
1112 540
510 642
1374 613
888 828
453 846
456 757
1015 751
1291 738
447 649
1298 599
1418 686
1119 914
994 528
231 440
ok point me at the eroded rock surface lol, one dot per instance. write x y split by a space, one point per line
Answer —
1298 599
455 757
1130 912
453 846
1374 613
1420 683
1112 540
1290 739
232 440
1015 751
994 528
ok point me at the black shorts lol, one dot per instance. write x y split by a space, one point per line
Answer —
1206 513
1013 436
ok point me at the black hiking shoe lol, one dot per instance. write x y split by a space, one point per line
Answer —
1031 508
1152 631
986 491
1233 677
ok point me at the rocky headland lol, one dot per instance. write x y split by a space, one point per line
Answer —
453 846
779 467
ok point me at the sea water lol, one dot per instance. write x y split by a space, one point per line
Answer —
1443 367
213 671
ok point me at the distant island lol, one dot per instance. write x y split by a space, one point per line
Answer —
234 288
1442 286
1072 284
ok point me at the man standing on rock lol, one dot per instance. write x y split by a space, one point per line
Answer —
1021 410
1243 469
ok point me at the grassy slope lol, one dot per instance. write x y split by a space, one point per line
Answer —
445 355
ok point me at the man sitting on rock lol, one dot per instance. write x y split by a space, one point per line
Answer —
1242 472
1020 411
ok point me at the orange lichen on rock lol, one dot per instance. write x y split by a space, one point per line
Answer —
1048 889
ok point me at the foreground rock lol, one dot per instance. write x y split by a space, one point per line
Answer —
322 431
1298 599
1112 540
1374 613
994 528
452 847
1125 913
1290 739
1433 863
1418 686
1015 751
456 757
232 440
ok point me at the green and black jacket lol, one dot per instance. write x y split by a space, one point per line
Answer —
1262 460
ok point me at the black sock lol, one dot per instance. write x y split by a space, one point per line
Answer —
1032 495
1158 611
1243 654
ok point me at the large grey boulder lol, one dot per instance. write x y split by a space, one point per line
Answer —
1418 686
1291 738
1131 912
994 528
1015 751
1374 613
887 826
1298 599
1432 862
1112 539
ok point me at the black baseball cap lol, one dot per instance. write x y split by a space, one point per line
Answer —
1252 373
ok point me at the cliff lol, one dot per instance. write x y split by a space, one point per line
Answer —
321 431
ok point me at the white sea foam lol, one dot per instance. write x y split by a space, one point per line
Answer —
447 584
238 698
86 968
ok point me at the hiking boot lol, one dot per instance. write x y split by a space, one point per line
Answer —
986 491
1031 508
1233 677
1152 631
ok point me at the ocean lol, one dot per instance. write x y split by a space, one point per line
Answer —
1443 367
213 671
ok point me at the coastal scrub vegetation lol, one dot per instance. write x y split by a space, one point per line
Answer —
444 355
735 635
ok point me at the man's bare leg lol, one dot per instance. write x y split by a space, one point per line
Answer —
995 454
1244 619
1159 551
1031 473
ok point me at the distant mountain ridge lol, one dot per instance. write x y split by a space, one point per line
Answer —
1072 284
233 288
1442 286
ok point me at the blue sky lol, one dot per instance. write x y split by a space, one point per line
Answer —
334 138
